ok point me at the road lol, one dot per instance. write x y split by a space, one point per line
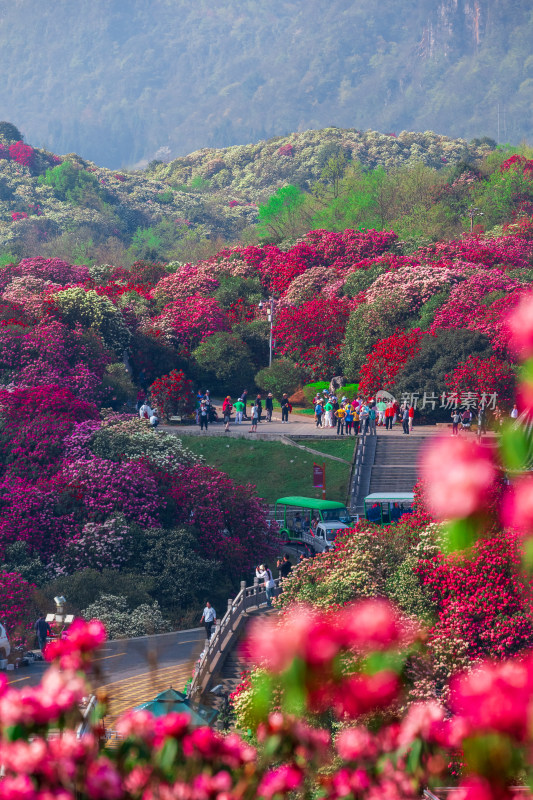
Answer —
134 670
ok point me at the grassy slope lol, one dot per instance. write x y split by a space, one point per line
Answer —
277 470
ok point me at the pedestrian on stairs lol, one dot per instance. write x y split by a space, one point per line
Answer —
265 574
209 618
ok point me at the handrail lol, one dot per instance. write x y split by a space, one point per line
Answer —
358 468
222 638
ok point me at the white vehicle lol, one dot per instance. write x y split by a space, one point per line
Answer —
5 647
324 536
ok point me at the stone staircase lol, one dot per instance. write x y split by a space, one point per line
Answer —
387 463
395 462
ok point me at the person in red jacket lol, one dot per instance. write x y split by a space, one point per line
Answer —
411 418
226 411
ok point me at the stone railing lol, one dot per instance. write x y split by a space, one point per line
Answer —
226 634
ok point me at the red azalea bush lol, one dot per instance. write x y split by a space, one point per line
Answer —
16 602
188 322
35 423
484 376
22 153
342 250
483 598
386 359
41 514
230 519
316 323
172 395
51 354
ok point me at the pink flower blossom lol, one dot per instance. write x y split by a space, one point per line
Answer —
521 325
458 475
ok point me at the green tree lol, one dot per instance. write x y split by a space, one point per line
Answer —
233 287
183 578
93 311
367 324
280 217
282 376
225 362
74 185
10 133
438 356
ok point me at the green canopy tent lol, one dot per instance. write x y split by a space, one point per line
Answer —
173 701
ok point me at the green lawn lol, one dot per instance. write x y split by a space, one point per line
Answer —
277 470
343 447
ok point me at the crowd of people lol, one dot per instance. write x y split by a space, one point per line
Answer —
146 411
254 413
360 416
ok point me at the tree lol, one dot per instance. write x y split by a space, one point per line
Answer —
183 578
91 310
282 376
121 621
437 358
172 394
368 323
279 218
9 132
225 362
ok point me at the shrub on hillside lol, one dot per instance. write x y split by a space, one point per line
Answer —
225 363
283 376
123 622
173 394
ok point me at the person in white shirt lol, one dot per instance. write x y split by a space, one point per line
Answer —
514 412
265 574
145 412
209 618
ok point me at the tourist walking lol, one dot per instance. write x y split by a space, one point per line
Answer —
411 418
319 410
364 418
255 418
456 419
269 406
514 412
285 405
356 421
405 420
209 618
340 414
226 412
203 415
244 397
348 419
239 409
43 630
259 405
372 414
263 573
328 414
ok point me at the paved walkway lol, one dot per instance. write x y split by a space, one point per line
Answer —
298 425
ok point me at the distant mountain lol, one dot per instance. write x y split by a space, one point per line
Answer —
119 81
66 205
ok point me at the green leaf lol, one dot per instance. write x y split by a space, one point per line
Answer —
515 444
378 661
413 759
167 755
527 558
294 684
460 534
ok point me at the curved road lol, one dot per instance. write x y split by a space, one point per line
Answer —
132 671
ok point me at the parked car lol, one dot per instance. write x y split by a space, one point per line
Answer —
5 647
